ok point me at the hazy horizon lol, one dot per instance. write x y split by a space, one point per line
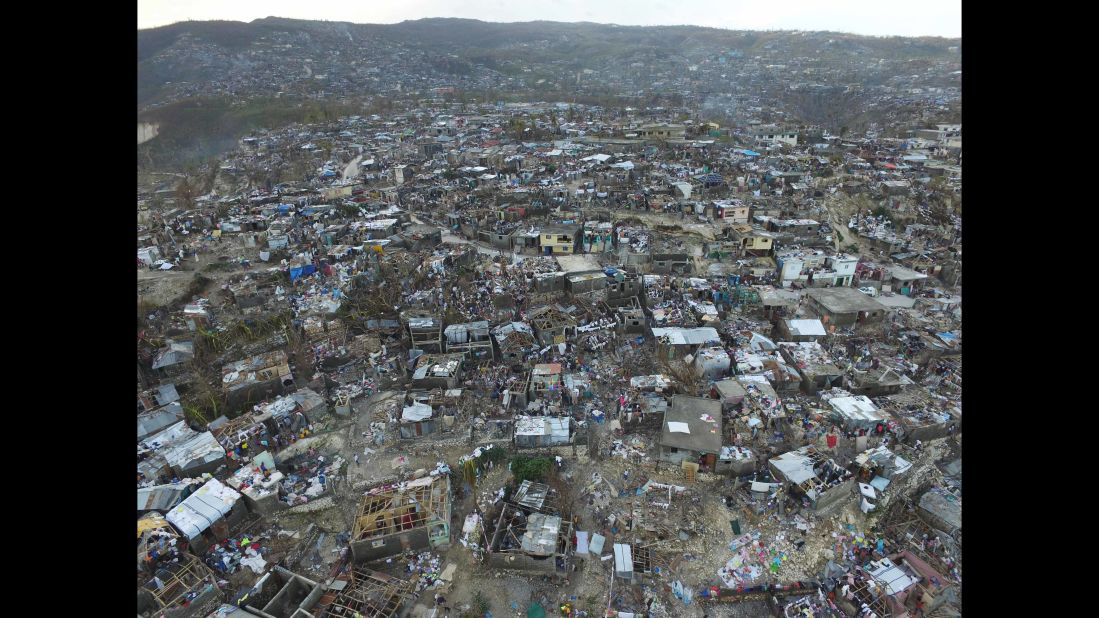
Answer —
933 18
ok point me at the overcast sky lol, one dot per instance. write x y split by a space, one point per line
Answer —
871 17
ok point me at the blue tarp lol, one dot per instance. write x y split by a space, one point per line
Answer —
303 271
750 153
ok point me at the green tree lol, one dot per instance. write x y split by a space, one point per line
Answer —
532 469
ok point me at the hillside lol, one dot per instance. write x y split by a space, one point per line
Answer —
280 64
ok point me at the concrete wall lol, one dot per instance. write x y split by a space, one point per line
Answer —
668 456
836 495
522 562
736 468
375 549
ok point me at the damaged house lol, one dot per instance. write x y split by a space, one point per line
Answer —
256 378
170 583
424 330
543 431
363 592
853 411
471 339
180 451
282 594
437 371
551 325
515 341
812 476
814 365
527 537
678 343
207 515
398 517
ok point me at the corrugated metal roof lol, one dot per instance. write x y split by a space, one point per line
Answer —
795 466
204 507
687 336
623 558
160 497
148 423
541 535
531 495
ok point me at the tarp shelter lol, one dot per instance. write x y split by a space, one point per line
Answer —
536 610
203 508
595 546
416 412
582 542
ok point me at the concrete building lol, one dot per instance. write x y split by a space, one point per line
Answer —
686 436
844 306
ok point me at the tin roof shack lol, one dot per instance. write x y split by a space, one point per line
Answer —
365 593
163 497
526 539
197 315
799 330
852 411
282 594
877 382
175 584
437 371
735 461
692 431
398 517
941 510
551 325
424 329
543 431
206 516
712 362
813 476
183 451
678 343
515 340
256 378
814 365
839 307
545 381
471 339
417 420
153 421
922 421
174 359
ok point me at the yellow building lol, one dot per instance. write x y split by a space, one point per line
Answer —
558 240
